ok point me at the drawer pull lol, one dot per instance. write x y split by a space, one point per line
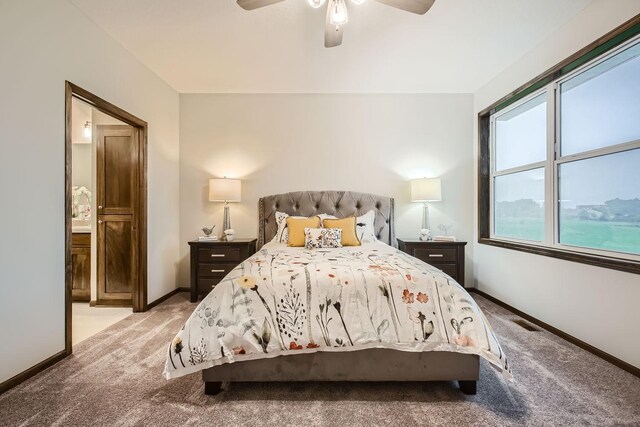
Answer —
436 255
217 271
217 255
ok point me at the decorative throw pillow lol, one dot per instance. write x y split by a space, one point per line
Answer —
282 235
296 228
365 229
316 238
348 227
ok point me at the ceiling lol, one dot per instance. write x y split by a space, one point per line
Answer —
214 46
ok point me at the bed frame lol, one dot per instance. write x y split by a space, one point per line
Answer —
362 365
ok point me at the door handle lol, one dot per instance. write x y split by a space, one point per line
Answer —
99 221
99 207
217 271
217 255
435 255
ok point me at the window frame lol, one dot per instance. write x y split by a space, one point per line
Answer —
549 83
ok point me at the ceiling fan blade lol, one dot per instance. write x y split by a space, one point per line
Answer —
332 34
415 6
255 4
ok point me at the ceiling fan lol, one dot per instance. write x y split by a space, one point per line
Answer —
337 15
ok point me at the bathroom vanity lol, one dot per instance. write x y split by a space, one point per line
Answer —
81 260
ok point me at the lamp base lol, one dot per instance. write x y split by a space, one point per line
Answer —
226 222
425 232
425 235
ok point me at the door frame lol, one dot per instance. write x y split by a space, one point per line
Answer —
139 300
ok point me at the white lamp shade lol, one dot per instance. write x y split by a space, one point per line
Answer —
426 190
224 190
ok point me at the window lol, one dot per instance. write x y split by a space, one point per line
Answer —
560 160
599 202
520 140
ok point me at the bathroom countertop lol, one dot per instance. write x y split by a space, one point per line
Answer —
81 229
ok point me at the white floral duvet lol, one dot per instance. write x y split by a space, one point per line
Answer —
284 301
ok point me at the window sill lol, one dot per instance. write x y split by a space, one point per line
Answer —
620 264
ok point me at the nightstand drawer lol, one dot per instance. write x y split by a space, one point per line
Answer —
450 269
436 255
218 254
205 285
445 256
211 261
215 270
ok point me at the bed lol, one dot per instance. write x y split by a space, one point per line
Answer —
359 313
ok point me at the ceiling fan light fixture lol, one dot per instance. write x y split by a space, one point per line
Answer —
316 3
338 15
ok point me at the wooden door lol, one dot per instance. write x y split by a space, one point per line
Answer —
117 200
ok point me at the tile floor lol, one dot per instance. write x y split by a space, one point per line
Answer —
88 321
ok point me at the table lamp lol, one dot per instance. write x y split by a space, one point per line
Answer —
425 190
225 190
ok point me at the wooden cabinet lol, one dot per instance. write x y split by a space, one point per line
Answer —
446 256
81 261
212 261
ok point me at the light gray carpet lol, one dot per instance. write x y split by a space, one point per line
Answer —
114 379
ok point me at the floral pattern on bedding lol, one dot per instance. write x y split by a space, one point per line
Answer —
288 300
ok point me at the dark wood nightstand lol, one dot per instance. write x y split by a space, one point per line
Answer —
211 261
446 256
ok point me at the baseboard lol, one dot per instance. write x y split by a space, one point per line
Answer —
166 297
573 340
36 369
125 303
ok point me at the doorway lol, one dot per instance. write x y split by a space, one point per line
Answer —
105 221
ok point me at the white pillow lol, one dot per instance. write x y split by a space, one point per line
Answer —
365 229
325 216
282 235
364 226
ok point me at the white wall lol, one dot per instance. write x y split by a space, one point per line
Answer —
596 305
81 166
42 44
366 143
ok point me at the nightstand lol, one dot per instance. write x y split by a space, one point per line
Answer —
212 261
445 256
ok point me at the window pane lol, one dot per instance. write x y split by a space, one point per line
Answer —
519 205
600 202
600 107
521 134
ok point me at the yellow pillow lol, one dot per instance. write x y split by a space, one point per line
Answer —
348 226
296 228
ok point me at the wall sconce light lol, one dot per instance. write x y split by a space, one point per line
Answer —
87 130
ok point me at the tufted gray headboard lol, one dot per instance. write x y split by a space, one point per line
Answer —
338 203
